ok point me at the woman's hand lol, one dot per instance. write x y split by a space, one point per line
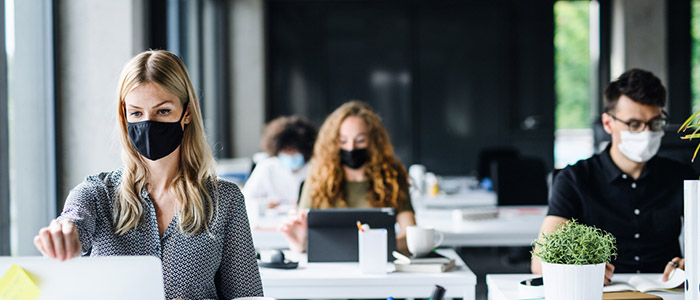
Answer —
59 240
676 262
295 232
609 270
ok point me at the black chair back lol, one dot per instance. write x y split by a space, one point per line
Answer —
520 181
489 155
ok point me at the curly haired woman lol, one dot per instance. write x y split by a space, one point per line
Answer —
353 166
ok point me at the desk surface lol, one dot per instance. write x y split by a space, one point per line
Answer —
514 226
505 286
468 198
344 280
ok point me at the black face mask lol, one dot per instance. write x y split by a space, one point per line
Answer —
354 159
155 140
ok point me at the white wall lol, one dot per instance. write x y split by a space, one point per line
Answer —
248 78
639 37
96 38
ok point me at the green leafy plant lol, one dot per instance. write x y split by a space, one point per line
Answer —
573 243
693 122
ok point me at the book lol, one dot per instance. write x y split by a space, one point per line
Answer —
424 268
431 263
431 258
628 296
644 284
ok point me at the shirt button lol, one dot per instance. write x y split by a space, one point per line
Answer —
636 211
636 258
634 185
636 235
624 176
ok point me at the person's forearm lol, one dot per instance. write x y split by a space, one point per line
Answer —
401 245
535 265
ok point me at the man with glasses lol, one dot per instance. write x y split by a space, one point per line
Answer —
626 189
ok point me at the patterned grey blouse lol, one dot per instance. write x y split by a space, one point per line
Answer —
200 266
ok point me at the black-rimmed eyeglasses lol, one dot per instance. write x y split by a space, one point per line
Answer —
655 124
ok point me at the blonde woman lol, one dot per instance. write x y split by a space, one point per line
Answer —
166 200
353 166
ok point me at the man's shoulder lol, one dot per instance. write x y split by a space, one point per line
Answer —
582 167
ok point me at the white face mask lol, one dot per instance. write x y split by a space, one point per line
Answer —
641 146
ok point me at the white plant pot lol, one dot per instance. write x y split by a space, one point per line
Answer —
573 282
691 229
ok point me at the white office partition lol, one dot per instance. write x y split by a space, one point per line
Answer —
691 215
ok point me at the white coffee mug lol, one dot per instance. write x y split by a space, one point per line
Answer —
421 240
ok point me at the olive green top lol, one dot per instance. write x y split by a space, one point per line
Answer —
355 194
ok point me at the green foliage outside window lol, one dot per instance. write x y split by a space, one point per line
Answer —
571 58
695 59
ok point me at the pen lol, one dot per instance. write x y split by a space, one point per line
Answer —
359 226
438 293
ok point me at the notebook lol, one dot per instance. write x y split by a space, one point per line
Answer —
643 284
431 263
89 278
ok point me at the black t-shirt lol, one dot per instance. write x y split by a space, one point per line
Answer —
644 215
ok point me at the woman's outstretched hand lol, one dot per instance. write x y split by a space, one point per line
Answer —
59 240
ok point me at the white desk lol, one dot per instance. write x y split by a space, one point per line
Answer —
514 226
468 198
505 286
344 280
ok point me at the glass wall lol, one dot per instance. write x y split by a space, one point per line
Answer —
695 59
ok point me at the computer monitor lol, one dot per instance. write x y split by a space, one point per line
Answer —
88 278
332 233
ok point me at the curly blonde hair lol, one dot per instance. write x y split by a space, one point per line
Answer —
387 176
197 167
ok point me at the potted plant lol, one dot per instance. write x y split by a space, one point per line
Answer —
573 261
691 215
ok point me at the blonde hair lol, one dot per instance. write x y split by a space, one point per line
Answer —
196 167
387 176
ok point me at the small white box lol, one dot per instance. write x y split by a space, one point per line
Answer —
372 250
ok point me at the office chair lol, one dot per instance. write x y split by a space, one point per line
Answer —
301 188
520 181
489 155
550 181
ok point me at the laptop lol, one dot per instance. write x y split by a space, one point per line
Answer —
103 277
332 233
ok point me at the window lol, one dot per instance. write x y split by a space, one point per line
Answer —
31 125
695 58
573 118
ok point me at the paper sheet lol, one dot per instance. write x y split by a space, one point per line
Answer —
17 285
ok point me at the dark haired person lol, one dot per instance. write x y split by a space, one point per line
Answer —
275 181
626 189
